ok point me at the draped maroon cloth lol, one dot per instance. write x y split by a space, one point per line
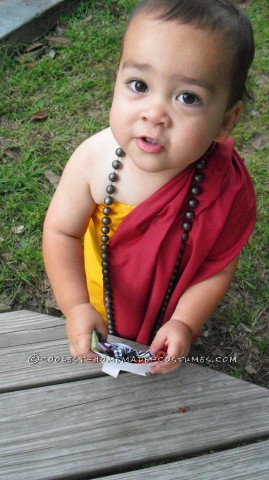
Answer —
145 246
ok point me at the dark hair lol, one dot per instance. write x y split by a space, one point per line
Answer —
216 15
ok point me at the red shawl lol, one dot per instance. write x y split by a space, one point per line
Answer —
145 246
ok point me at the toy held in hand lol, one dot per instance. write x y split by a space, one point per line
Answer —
119 356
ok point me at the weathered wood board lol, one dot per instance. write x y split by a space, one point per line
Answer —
70 421
101 425
250 462
34 352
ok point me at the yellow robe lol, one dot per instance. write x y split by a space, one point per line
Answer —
92 251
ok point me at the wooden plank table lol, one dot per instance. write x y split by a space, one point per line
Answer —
60 419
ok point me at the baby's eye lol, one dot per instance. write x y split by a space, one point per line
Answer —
138 86
188 98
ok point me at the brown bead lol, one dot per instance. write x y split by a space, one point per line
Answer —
198 177
110 189
116 164
196 190
120 152
108 200
106 221
187 226
113 177
107 211
193 202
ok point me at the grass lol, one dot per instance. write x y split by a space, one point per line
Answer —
72 85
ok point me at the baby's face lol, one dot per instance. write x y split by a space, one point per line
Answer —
171 93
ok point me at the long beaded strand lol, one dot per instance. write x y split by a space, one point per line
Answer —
106 221
186 226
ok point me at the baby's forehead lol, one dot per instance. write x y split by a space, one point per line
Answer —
139 26
138 22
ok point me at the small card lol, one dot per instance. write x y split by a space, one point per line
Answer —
119 356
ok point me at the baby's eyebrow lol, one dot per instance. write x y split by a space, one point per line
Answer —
200 82
144 67
138 66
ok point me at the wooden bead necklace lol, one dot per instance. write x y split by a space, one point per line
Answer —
186 226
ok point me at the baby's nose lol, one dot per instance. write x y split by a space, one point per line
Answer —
156 113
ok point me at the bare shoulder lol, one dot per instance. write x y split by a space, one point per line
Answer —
82 183
92 160
94 148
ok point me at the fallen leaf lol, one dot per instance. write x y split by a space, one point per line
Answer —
61 28
40 115
88 19
245 328
260 141
21 59
11 153
36 54
52 177
29 57
250 370
29 65
262 80
18 229
52 53
59 41
34 46
7 256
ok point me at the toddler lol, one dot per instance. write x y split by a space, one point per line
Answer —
143 234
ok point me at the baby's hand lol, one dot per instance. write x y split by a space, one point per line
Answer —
176 336
80 322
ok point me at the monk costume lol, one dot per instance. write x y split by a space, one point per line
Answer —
146 240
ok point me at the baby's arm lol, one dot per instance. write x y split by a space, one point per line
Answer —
193 310
65 224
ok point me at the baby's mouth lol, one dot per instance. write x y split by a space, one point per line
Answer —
150 141
149 145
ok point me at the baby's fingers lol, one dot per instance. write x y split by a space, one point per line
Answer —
102 329
157 344
81 348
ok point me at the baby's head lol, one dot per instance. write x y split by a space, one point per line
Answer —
218 16
181 80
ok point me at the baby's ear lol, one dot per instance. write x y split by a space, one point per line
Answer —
230 120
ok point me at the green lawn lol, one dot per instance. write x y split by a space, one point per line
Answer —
71 81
